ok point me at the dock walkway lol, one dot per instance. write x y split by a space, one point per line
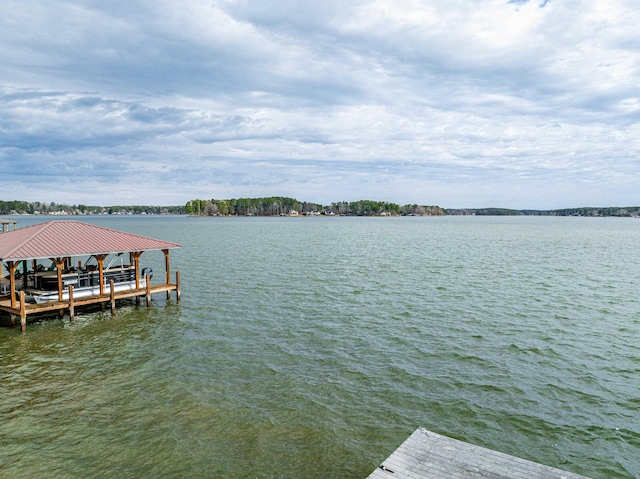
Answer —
428 455
22 309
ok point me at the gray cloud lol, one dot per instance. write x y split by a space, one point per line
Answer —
458 103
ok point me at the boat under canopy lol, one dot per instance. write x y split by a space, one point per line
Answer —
41 284
39 260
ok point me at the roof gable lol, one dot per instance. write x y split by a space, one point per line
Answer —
72 238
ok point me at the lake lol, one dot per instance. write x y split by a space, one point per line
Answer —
312 347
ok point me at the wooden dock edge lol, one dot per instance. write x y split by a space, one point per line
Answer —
428 455
25 309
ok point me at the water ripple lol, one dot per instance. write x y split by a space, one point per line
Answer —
313 347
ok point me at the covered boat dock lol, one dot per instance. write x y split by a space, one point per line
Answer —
58 242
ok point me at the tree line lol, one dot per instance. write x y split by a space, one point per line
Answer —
39 208
628 211
279 205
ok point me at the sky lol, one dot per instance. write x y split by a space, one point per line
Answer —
456 103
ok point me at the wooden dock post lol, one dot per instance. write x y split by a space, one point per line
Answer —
178 286
11 267
112 294
23 312
72 308
167 267
148 289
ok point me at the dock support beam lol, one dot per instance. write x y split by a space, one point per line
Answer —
72 308
167 266
11 267
112 295
148 289
59 262
135 255
23 312
178 286
100 259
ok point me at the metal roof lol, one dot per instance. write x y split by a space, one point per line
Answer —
60 238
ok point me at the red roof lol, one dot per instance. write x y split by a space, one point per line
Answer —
56 239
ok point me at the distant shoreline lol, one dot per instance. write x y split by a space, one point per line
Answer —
284 206
592 213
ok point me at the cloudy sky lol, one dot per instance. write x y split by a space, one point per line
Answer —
456 103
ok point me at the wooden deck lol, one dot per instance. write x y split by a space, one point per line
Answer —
23 309
427 455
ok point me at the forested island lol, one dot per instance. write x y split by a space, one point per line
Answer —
285 206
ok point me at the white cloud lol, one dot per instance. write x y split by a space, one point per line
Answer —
457 102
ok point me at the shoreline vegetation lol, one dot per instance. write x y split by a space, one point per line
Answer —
284 206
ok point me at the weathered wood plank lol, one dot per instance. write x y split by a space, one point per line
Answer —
428 455
35 308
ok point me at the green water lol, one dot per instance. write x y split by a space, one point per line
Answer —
312 347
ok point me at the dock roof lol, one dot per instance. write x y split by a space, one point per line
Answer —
62 238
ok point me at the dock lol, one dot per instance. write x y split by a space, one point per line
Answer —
7 225
428 455
67 286
21 309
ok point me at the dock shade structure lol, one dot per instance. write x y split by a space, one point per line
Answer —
34 287
6 225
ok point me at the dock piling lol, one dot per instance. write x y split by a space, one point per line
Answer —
23 312
148 289
72 307
112 297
